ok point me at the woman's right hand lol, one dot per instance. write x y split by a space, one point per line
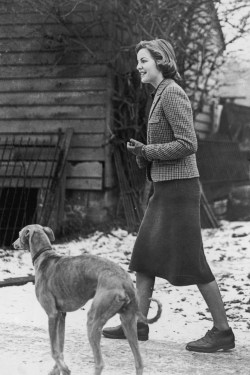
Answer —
135 147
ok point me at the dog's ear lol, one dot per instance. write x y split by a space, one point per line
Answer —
26 233
24 237
49 233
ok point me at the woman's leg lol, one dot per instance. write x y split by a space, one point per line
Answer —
145 287
212 297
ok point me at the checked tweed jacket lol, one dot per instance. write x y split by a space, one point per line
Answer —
171 139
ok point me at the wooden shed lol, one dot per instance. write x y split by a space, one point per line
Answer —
54 114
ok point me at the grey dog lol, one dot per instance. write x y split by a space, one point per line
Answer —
65 283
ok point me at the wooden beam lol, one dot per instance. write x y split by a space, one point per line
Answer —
15 281
29 126
57 84
57 180
27 16
203 118
202 127
85 170
40 183
44 112
49 71
84 184
45 169
109 179
53 98
79 140
29 30
26 169
48 153
52 57
86 154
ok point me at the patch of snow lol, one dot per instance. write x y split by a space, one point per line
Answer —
228 253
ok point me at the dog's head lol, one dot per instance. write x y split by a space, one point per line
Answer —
23 242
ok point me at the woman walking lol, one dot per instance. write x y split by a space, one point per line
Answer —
169 243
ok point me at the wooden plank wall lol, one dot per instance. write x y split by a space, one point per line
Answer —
204 122
44 87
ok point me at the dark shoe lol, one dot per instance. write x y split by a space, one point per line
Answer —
212 341
117 332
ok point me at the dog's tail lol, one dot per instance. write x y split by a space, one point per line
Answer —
155 318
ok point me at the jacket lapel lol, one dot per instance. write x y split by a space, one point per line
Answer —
158 93
155 101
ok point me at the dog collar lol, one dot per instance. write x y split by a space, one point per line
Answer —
40 252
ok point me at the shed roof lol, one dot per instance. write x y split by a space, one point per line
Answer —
217 24
234 119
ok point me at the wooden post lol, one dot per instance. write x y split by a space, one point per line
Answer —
53 194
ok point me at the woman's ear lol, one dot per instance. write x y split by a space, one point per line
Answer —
49 233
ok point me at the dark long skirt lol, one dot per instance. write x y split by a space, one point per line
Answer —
169 243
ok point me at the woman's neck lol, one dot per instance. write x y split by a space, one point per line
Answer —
158 81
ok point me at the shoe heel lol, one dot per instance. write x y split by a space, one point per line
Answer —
228 347
143 338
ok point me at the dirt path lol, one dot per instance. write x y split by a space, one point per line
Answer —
24 344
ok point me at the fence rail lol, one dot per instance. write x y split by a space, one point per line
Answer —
28 170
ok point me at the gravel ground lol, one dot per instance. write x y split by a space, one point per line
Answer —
24 344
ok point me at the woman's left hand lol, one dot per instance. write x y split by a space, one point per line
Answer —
135 147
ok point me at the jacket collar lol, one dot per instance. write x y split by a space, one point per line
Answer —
164 83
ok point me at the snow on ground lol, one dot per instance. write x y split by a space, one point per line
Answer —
185 316
228 253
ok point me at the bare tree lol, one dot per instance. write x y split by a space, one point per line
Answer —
234 17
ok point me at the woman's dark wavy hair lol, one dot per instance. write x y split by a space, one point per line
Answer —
163 54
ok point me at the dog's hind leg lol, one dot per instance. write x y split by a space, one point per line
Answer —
129 325
105 305
56 333
61 331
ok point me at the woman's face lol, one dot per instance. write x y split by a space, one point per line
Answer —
147 68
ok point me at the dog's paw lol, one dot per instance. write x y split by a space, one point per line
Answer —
57 371
54 371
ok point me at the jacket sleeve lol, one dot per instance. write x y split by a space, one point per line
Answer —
178 112
141 162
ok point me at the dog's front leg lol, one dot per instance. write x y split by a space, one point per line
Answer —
56 333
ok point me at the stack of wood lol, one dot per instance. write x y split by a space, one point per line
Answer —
129 184
208 218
